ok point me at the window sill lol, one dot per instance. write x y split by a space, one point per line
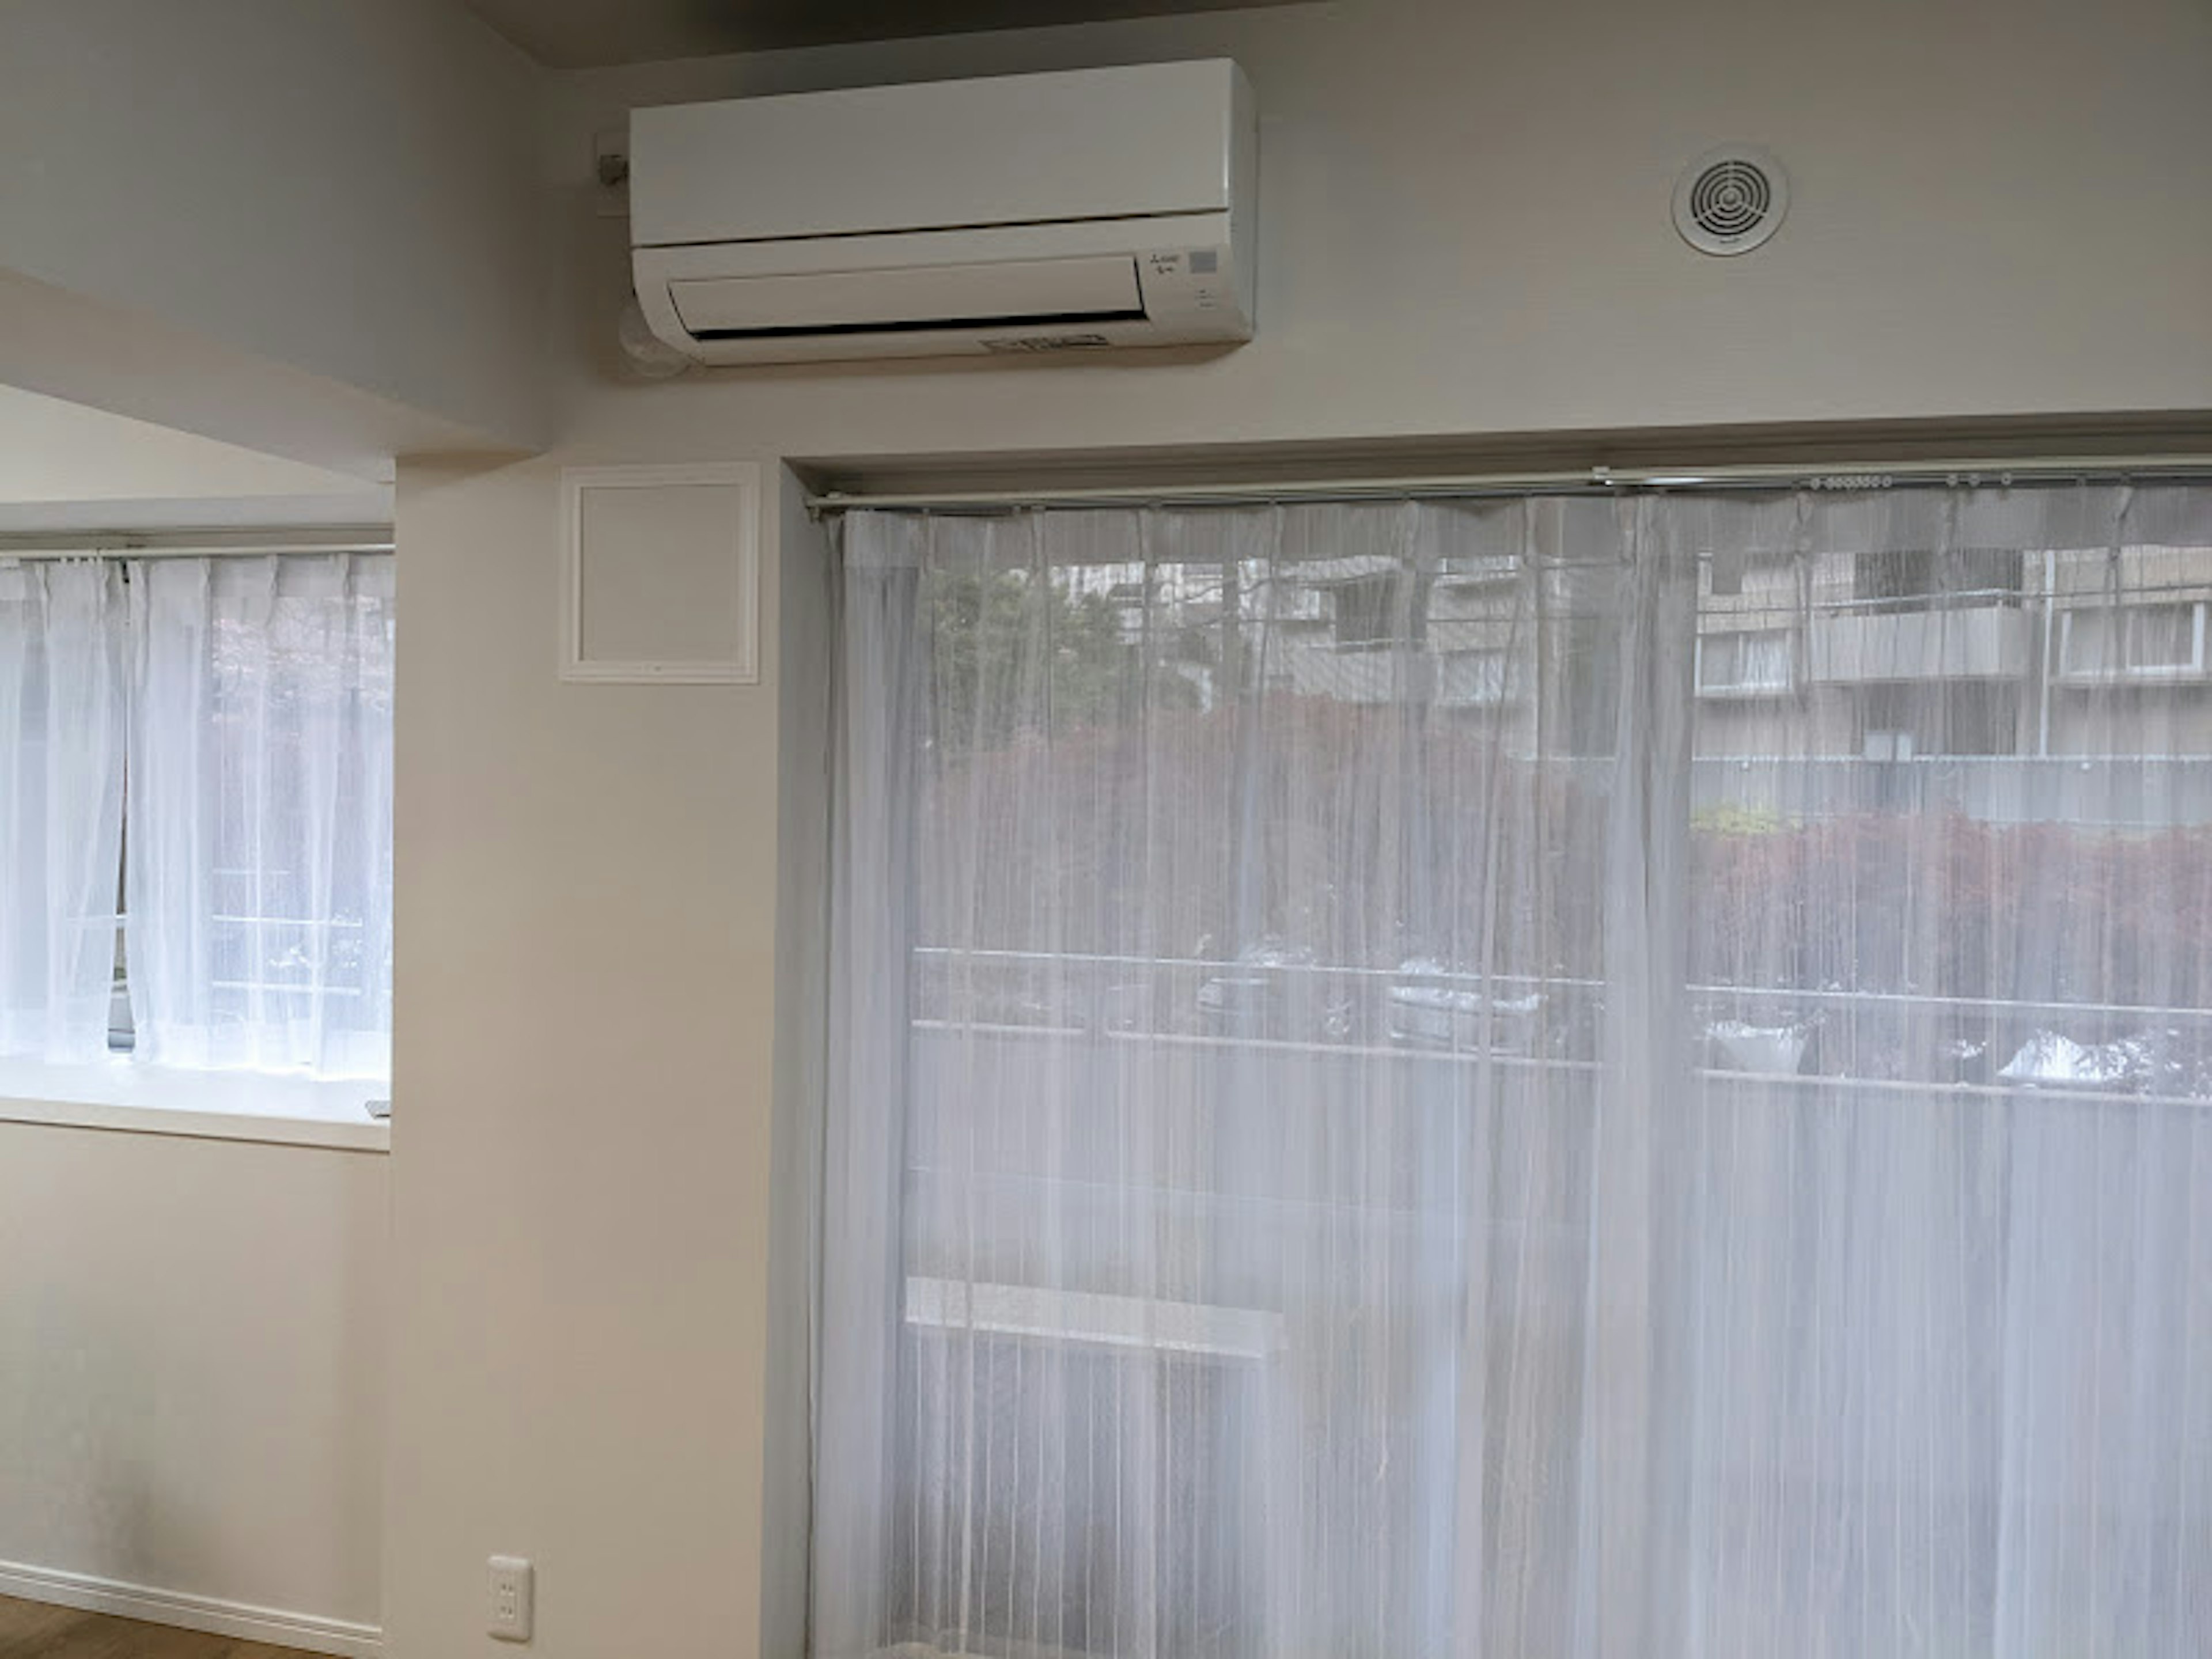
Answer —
206 1105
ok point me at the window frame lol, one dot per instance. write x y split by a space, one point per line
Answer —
2121 616
116 1090
1744 688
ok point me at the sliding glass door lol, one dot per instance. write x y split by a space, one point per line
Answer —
1573 1076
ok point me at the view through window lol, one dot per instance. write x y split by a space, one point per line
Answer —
1427 1078
197 853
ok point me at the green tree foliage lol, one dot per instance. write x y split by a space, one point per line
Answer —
1014 655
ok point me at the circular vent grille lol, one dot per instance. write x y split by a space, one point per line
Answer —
1730 200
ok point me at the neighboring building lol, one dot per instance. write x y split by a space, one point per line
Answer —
1884 657
1896 657
1862 662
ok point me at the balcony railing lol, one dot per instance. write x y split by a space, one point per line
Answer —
1870 1041
1986 642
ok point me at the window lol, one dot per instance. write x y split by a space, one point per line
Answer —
1492 571
1328 1167
62 639
211 740
2137 641
1755 663
1366 610
1934 714
1476 675
1899 579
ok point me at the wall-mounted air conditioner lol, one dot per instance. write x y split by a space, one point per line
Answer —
1029 213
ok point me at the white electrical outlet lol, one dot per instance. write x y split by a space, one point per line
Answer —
508 1615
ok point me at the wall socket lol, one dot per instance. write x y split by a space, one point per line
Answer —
506 1614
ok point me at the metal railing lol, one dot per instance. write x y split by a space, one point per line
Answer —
1875 1041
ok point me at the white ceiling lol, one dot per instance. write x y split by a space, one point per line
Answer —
582 33
64 466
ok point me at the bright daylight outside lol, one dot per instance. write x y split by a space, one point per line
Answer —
196 837
1445 1075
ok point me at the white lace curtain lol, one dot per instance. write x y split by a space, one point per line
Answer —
237 711
62 630
1545 1077
259 919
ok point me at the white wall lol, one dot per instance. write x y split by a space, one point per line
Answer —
307 227
64 466
311 227
192 1336
55 452
584 996
2001 210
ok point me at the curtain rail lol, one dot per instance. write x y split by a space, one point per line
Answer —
1596 480
182 546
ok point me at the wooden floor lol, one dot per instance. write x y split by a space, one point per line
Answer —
30 1630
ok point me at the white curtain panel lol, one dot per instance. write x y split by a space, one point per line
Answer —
62 629
1550 1077
258 922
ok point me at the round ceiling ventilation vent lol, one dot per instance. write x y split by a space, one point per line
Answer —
1730 200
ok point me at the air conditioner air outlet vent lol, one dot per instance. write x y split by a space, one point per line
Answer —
924 324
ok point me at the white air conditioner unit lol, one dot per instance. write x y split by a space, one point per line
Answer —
1025 213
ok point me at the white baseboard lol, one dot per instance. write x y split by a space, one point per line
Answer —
202 1613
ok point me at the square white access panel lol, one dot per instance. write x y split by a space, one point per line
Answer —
661 575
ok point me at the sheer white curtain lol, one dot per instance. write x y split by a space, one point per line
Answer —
62 630
258 925
1570 1077
1945 1269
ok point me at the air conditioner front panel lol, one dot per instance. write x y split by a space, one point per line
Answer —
999 150
1025 214
1101 287
1064 290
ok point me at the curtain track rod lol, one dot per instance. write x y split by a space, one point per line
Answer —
1596 480
32 551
